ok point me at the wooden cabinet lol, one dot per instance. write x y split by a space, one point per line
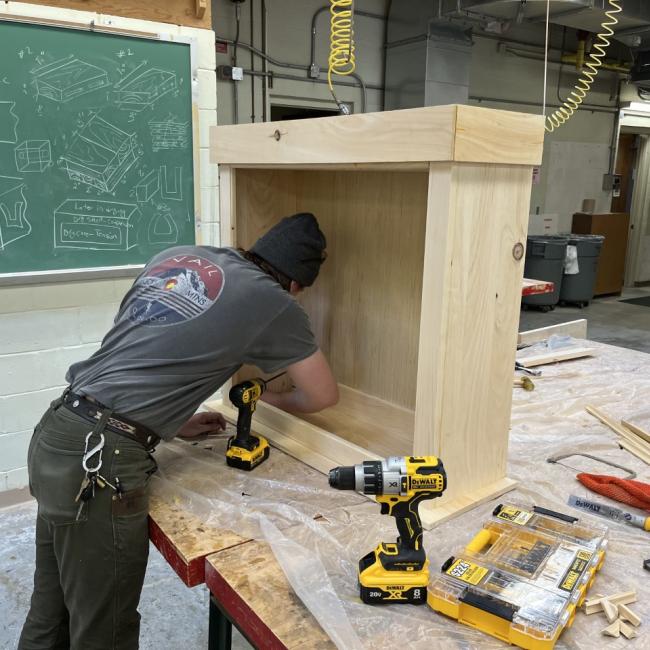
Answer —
417 306
615 227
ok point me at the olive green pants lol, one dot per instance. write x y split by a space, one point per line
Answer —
90 570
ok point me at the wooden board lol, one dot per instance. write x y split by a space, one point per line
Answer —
642 433
184 540
369 291
433 133
177 12
253 590
379 426
556 356
470 311
575 328
315 447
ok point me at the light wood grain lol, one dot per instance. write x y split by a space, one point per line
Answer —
574 328
594 605
468 329
227 205
556 356
418 303
374 424
627 614
629 440
440 510
177 12
365 305
433 133
493 136
635 450
254 575
642 433
313 446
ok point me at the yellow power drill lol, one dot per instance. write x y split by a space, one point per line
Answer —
399 572
244 450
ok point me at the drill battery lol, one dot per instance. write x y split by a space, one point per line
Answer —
247 454
377 585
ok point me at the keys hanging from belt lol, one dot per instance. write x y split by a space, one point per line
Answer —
91 463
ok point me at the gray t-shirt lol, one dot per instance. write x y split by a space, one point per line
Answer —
188 323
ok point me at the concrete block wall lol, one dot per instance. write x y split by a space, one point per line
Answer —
47 327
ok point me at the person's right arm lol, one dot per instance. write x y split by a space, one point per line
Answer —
314 387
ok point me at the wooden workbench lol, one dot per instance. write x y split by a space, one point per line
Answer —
249 588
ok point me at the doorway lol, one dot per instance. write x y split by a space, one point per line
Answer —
280 112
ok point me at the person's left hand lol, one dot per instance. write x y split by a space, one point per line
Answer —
207 422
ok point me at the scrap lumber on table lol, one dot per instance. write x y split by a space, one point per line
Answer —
575 328
642 433
553 356
629 440
614 629
594 605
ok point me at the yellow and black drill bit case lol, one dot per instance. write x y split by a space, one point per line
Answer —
522 577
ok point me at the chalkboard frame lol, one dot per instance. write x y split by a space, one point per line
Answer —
124 270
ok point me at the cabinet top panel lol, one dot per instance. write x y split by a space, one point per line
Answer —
454 133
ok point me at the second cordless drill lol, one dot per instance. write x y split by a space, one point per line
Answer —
395 572
244 450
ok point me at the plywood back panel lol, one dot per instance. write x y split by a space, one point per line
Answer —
477 214
365 305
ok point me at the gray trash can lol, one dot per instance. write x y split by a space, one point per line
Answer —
578 289
545 256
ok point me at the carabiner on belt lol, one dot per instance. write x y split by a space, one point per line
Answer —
88 454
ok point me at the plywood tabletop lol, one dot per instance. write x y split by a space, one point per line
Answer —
251 587
184 540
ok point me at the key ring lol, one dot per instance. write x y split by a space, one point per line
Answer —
97 449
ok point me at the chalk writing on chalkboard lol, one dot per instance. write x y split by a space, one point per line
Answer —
96 151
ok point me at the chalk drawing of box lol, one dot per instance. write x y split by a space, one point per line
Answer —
91 224
140 90
100 155
68 79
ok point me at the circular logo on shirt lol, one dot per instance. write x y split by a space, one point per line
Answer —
175 290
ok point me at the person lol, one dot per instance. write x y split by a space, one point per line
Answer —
191 319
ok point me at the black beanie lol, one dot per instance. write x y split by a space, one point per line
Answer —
295 247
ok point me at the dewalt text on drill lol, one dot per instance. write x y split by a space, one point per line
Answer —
395 572
244 450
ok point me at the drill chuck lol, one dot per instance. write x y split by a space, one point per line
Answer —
371 477
343 478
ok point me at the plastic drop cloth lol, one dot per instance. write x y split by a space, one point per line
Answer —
280 503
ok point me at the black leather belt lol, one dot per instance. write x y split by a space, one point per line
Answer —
91 410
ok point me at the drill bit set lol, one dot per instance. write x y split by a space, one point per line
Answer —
522 577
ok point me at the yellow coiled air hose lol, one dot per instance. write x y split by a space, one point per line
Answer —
341 59
595 60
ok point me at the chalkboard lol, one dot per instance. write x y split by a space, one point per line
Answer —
96 151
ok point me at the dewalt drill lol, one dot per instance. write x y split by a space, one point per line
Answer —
399 572
244 450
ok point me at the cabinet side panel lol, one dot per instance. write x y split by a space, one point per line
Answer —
465 386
